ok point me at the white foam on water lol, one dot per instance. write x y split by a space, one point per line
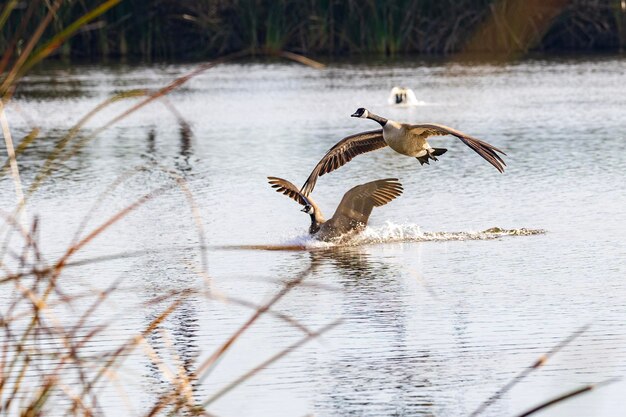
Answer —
407 232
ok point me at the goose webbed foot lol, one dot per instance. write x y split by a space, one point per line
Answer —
431 153
424 159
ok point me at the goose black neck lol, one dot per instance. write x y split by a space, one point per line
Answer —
315 225
380 120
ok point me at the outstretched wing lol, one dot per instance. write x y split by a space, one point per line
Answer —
342 153
357 204
484 149
288 189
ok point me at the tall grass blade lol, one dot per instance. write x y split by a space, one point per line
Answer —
112 220
47 169
15 172
6 11
268 362
12 75
23 145
54 155
58 39
10 48
567 396
524 373
209 363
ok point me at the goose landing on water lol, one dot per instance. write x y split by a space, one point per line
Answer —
352 213
404 138
401 96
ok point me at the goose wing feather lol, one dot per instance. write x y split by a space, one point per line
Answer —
342 153
287 188
484 149
357 204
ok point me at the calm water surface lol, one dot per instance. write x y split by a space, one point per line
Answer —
430 328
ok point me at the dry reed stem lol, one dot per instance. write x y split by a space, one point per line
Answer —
301 59
42 310
218 296
183 377
123 393
160 93
35 271
151 96
524 373
179 117
108 223
28 237
21 147
183 185
76 400
103 195
314 285
30 246
40 302
182 391
15 172
59 38
61 144
568 396
132 254
6 57
130 345
269 361
206 279
168 88
6 12
67 300
13 73
47 277
93 307
208 364
16 385
55 155
158 361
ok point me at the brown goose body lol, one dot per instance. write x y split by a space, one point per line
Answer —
406 139
352 213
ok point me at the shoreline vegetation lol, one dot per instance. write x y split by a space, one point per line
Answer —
197 29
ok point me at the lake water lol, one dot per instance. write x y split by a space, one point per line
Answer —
436 317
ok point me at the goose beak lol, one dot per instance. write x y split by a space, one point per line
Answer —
355 114
303 210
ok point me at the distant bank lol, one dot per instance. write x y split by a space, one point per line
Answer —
194 29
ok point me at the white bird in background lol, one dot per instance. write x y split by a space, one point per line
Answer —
402 96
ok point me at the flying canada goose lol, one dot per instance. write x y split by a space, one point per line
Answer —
403 138
402 96
352 213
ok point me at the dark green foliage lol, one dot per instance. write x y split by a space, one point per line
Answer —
588 25
207 28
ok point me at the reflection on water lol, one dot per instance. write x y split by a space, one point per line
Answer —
391 382
440 308
151 142
175 345
185 141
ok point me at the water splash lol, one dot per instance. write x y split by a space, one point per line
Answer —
391 233
397 233
388 233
